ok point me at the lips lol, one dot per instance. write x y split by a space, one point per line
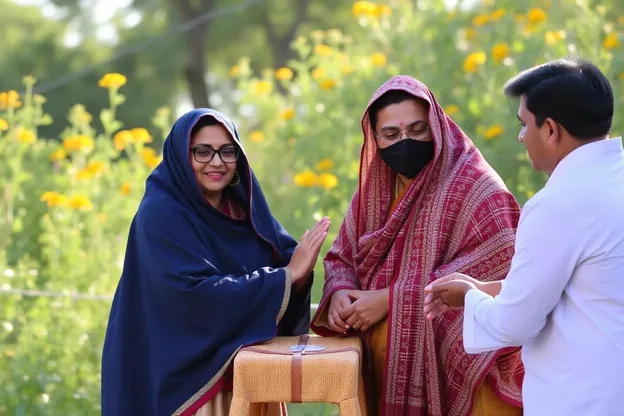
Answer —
214 175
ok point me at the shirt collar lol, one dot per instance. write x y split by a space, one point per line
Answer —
577 160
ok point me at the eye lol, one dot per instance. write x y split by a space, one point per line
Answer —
204 151
390 135
228 151
417 131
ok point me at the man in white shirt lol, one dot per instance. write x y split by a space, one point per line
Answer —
563 299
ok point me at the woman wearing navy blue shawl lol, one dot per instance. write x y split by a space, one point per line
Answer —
207 270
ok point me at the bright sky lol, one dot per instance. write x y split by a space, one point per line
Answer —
101 10
104 10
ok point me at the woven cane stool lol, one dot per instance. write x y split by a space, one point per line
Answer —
302 369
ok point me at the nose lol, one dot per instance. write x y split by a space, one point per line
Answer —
216 161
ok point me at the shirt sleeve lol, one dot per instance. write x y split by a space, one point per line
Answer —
546 254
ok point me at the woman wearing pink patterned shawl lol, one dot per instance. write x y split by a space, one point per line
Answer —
427 204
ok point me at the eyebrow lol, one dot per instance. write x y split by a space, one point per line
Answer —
210 146
414 123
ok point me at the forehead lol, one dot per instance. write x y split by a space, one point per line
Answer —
216 136
401 114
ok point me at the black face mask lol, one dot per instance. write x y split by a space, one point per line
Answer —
408 157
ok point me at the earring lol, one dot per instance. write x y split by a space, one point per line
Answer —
235 179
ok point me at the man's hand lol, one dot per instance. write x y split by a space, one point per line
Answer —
368 308
339 301
447 293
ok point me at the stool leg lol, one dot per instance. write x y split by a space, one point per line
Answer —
350 407
240 407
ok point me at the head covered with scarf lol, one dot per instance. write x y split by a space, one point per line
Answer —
456 216
196 286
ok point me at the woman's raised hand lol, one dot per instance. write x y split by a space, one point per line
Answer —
306 254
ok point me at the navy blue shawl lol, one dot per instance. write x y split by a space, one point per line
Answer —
196 286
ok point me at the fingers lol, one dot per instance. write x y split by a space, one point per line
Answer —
338 324
351 320
438 303
358 324
438 311
430 286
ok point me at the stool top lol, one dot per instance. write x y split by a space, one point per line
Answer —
315 344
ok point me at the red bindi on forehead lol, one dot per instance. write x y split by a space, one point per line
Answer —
401 123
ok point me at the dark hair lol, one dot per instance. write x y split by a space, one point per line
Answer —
203 122
386 99
571 91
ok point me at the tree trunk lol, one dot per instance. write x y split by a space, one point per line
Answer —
196 50
280 44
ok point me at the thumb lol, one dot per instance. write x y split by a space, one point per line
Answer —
353 294
444 279
437 287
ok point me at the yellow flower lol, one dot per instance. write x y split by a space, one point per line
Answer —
235 71
621 20
318 73
79 142
112 80
346 69
140 135
383 10
10 99
493 131
480 20
611 41
451 110
470 33
323 50
126 188
121 139
4 125
9 353
325 164
519 18
530 194
379 59
474 60
536 15
57 155
83 175
328 84
81 202
26 136
256 136
498 14
364 8
287 113
284 74
327 180
262 87
500 51
95 167
552 37
54 199
149 157
305 179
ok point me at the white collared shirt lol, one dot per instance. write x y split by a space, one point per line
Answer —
563 299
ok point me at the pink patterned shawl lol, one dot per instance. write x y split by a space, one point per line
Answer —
457 216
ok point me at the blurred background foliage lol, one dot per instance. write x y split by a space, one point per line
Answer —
89 90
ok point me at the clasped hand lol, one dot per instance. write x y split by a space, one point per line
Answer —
357 309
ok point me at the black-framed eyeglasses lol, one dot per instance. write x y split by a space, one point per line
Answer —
205 153
416 131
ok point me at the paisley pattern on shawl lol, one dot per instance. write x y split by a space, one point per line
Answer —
457 216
